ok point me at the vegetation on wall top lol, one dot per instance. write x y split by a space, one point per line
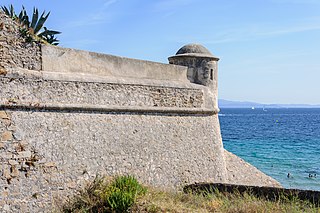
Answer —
34 27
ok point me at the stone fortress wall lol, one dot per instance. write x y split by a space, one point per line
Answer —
67 115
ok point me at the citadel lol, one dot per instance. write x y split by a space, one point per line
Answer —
67 115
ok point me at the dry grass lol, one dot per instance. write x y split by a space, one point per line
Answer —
156 200
160 201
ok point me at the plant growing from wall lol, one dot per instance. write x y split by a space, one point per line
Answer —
34 27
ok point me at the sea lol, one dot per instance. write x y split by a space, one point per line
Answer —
276 141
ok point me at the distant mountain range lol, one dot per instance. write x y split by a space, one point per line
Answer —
246 104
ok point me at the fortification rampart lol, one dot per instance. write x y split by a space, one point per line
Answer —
78 61
24 54
67 115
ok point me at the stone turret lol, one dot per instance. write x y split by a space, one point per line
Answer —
202 65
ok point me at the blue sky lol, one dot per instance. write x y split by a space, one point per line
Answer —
269 49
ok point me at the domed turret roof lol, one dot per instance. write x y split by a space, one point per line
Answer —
194 50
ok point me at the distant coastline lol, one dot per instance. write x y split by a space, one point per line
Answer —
247 104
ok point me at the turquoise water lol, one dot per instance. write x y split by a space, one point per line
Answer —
276 141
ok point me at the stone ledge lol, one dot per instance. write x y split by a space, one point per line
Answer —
106 108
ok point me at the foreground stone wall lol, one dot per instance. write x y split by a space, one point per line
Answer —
15 51
66 149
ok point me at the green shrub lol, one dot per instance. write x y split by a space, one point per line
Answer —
103 195
122 193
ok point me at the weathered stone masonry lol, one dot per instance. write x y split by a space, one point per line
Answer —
33 91
67 115
24 54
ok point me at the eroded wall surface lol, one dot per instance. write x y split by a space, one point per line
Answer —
25 54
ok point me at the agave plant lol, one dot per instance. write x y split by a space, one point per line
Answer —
36 25
49 36
9 11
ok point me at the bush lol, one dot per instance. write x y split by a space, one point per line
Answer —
122 193
103 195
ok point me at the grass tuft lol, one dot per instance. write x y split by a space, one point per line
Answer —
105 195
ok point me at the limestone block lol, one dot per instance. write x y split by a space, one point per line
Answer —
18 135
13 162
6 207
3 71
50 164
14 171
24 154
24 166
3 115
72 185
6 155
6 173
7 122
6 136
